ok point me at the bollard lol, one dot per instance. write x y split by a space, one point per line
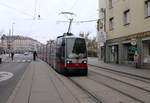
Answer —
0 60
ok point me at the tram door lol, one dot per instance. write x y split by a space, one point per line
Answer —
60 54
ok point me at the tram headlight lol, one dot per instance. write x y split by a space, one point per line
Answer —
69 62
85 61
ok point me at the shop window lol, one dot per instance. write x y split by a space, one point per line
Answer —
131 52
147 8
127 17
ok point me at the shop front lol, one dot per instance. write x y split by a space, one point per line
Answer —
129 51
113 54
132 50
137 52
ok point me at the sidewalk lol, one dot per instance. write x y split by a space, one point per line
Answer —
40 84
132 70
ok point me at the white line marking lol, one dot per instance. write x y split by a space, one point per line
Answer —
5 76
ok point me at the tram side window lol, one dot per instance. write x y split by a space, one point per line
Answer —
63 48
60 47
59 41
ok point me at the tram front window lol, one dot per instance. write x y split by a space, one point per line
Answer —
76 48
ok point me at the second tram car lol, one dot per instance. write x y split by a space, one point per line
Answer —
67 55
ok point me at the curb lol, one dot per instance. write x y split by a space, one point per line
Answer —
12 97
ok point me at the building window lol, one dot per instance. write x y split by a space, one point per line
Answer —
127 17
147 8
111 23
111 4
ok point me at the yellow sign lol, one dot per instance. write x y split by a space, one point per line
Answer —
146 34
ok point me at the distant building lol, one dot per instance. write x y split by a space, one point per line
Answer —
128 31
19 44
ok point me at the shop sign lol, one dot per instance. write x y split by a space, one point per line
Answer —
142 35
133 41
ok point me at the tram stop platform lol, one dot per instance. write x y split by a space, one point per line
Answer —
40 84
122 68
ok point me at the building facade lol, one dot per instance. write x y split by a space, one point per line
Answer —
128 32
19 44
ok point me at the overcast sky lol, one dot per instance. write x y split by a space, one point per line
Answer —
20 14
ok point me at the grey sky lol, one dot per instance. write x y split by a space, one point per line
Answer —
21 12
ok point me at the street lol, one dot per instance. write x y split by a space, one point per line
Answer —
17 68
41 83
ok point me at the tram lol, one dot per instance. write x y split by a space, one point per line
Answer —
67 55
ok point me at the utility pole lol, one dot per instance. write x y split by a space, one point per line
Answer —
12 31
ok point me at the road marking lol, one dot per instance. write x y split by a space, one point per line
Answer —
5 76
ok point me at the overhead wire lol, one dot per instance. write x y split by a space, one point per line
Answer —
15 9
35 9
74 4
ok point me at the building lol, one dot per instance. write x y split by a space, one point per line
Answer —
19 44
128 32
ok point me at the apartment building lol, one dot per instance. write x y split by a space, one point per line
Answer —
128 32
19 44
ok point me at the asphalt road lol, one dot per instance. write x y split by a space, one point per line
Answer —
16 68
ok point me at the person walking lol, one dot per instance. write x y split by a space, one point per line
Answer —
34 55
12 56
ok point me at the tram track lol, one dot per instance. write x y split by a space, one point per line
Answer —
89 93
99 80
96 97
124 74
146 90
119 91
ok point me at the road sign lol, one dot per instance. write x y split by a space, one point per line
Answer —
101 37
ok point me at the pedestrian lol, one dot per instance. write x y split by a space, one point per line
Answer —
34 55
12 56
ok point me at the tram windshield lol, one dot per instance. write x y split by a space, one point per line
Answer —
76 48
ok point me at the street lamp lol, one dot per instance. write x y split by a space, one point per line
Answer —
12 31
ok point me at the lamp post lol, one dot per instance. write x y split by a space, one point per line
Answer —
11 37
12 31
